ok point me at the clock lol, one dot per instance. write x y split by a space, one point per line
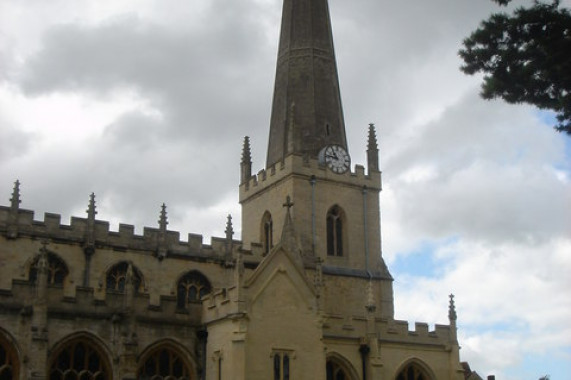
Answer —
336 158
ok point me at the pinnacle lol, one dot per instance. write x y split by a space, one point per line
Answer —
229 228
372 140
163 220
15 200
452 309
246 153
91 209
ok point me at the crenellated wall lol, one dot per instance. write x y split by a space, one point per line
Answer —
308 167
125 238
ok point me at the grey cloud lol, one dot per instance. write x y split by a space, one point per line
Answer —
489 179
14 142
199 81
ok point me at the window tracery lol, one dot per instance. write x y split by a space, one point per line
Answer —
164 364
79 360
191 288
57 270
335 232
117 277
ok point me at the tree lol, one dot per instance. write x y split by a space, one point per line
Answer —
526 58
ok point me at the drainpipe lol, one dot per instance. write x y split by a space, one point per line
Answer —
312 181
364 350
202 336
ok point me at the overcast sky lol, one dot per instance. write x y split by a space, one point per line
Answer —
144 102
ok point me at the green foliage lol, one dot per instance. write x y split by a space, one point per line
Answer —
526 58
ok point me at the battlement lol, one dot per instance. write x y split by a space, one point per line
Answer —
124 239
298 165
219 304
398 331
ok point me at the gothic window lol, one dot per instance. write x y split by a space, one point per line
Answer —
79 360
281 366
191 288
335 371
335 232
57 270
267 233
116 278
8 361
412 372
164 364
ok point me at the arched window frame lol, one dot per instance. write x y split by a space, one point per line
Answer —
116 276
165 361
9 360
70 362
414 370
191 287
335 232
338 367
57 270
267 233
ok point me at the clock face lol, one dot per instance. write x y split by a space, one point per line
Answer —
337 158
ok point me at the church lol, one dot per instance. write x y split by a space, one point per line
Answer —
303 294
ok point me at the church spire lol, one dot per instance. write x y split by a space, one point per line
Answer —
306 110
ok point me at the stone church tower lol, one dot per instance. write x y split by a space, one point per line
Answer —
305 294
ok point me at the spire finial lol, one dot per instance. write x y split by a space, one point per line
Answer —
246 152
246 164
372 140
289 236
163 220
452 309
15 200
91 208
229 228
288 203
372 150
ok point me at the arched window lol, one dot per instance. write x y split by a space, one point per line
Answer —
79 360
412 371
57 270
267 233
191 288
8 361
335 231
335 371
117 276
164 364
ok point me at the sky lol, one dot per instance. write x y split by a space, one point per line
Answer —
147 101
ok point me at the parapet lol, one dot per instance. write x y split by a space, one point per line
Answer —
307 167
398 331
77 231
